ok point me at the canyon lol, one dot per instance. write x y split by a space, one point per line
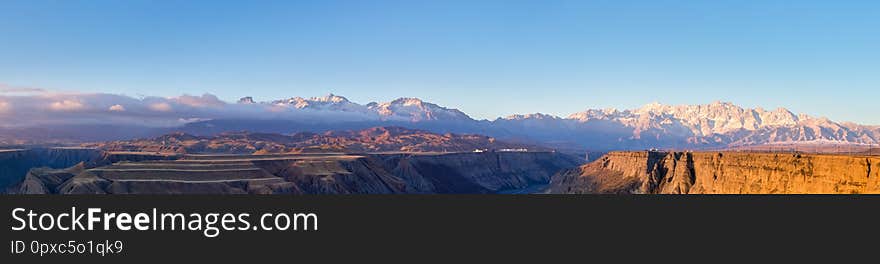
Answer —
654 172
622 172
396 160
334 173
368 161
15 163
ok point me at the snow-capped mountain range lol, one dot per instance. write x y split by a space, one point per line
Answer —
401 109
708 125
723 123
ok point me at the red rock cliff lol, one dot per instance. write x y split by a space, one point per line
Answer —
721 173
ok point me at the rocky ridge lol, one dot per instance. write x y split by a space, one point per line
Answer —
376 139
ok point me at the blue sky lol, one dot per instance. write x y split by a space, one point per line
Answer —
487 58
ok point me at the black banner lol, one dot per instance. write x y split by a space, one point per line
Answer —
443 227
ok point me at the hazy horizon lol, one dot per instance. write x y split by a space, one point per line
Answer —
486 58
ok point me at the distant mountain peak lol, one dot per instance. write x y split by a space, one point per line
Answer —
715 117
246 100
723 103
400 109
532 116
407 101
415 109
330 102
330 98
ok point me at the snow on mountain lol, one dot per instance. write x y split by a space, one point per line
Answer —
401 109
700 120
534 116
416 110
533 122
726 123
808 130
329 102
652 125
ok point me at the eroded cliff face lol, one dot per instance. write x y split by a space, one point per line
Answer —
335 175
488 172
15 164
307 174
722 173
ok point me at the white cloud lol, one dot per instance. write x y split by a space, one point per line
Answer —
71 108
190 120
161 107
67 105
117 108
206 100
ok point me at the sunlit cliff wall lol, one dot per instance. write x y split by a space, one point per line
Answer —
721 173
